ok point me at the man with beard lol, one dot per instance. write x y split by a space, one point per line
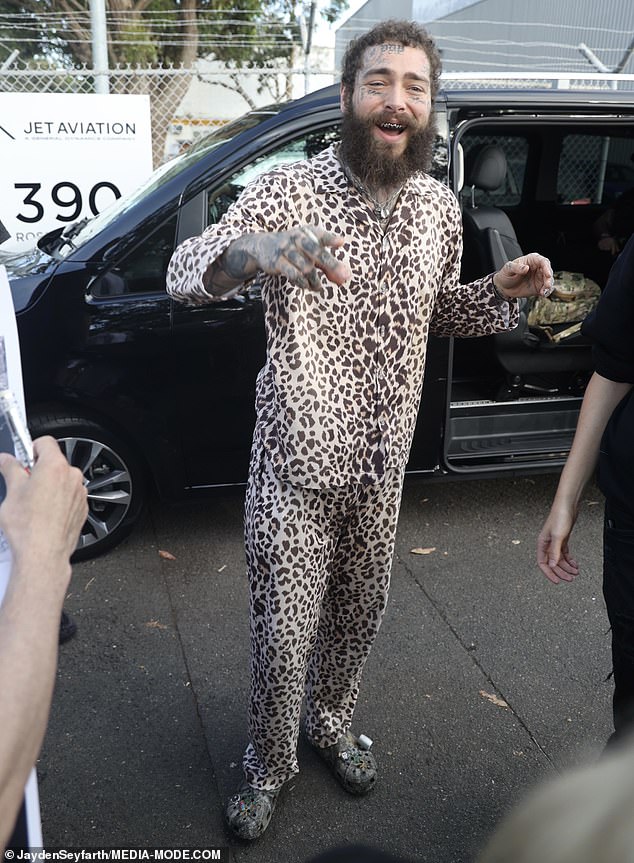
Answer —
361 252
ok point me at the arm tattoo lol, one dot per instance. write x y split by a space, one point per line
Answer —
290 254
235 265
238 263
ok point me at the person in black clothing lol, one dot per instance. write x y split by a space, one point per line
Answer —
605 433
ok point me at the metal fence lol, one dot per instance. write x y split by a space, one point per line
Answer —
167 89
538 81
174 124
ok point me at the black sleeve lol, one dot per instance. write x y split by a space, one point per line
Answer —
611 325
19 839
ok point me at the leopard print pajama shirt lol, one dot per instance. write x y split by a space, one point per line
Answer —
337 402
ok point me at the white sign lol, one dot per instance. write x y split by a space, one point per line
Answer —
68 156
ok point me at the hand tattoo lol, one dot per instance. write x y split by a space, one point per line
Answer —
297 255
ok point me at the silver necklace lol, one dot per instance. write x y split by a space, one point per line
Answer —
382 209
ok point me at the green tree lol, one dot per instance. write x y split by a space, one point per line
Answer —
254 33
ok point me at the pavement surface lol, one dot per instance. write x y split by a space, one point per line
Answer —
485 680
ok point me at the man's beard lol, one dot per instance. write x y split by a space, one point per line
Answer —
372 162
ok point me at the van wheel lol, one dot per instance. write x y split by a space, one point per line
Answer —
112 475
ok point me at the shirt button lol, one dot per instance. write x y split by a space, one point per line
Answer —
383 289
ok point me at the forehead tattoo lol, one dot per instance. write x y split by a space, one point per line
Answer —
375 61
375 52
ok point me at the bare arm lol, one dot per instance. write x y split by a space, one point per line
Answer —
553 557
41 517
297 254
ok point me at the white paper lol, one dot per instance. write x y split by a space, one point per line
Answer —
9 332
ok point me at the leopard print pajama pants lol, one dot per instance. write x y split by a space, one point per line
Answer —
319 566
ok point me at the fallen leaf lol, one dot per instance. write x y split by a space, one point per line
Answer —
423 550
154 624
499 702
167 555
516 541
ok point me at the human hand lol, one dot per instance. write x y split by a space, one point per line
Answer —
43 512
609 244
299 254
553 556
528 276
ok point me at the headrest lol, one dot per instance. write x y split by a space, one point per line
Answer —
485 167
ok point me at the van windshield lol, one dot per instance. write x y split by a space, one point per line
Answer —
79 232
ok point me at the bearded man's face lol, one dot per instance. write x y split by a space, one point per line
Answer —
388 129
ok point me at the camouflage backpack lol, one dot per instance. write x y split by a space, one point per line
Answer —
573 298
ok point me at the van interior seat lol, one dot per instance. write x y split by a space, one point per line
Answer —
489 242
485 169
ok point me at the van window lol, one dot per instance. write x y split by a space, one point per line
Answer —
221 198
143 270
594 169
509 194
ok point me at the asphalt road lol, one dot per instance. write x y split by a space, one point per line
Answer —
148 722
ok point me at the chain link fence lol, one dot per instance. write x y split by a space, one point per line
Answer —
187 102
184 103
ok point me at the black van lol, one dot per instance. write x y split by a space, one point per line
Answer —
142 391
